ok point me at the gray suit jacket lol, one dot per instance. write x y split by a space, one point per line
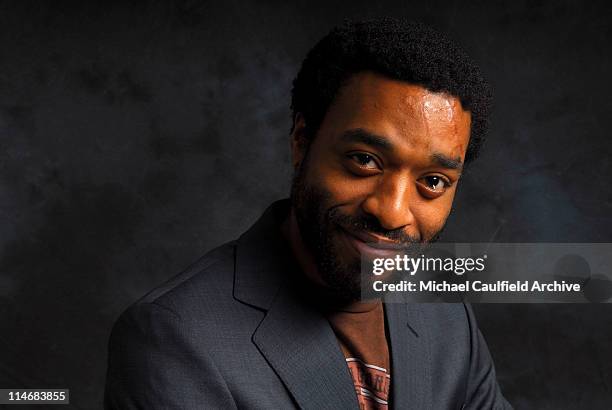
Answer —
230 332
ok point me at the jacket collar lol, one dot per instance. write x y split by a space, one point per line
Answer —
263 258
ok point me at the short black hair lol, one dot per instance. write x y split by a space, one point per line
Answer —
399 49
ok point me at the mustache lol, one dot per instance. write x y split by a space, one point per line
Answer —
371 224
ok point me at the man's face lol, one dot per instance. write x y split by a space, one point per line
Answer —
381 172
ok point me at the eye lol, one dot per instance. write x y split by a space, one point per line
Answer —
434 185
364 160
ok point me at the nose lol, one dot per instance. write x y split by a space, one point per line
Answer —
391 202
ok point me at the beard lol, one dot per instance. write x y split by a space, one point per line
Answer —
319 221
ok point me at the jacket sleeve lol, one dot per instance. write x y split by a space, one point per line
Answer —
483 391
151 365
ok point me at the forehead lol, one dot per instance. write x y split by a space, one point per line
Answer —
406 113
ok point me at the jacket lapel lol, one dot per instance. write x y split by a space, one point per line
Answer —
296 339
411 385
300 345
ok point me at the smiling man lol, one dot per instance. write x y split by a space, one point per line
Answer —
382 170
386 114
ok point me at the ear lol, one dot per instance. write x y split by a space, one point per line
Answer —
299 141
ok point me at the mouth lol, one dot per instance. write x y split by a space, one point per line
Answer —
371 245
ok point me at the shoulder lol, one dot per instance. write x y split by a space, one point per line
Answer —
451 334
209 279
459 354
196 303
162 343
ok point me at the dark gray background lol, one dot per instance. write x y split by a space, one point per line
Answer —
134 136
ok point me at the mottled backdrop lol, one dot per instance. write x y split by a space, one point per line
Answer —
134 136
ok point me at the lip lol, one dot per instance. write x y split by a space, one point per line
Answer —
371 245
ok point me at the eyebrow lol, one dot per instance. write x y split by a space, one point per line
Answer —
447 162
363 136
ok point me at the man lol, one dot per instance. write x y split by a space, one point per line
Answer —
386 114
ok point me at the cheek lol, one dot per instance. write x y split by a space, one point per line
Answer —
432 215
345 191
